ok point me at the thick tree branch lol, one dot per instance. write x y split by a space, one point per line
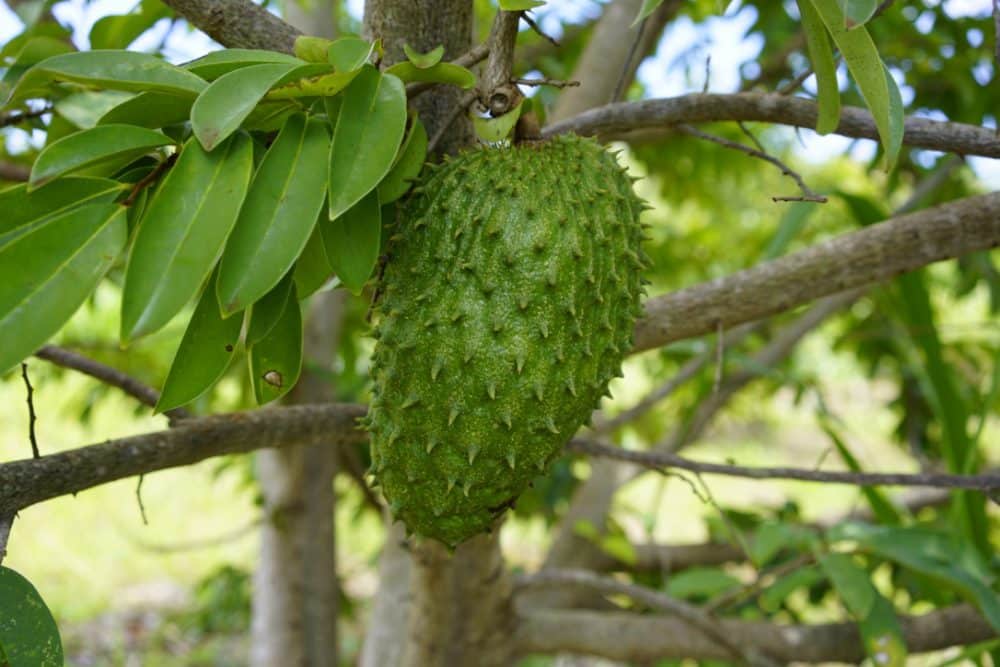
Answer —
624 636
29 481
237 24
860 258
663 460
615 121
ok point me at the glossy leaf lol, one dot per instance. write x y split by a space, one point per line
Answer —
320 85
25 210
119 30
150 110
29 636
441 73
367 133
407 167
424 60
858 12
278 215
866 68
223 105
217 63
311 49
114 144
83 109
276 359
265 313
204 353
312 269
496 129
113 70
825 67
352 242
45 274
182 233
348 54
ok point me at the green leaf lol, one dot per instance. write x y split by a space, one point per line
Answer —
33 51
228 100
704 582
213 65
407 167
276 359
521 5
204 353
866 67
492 130
24 210
114 144
424 60
884 511
368 131
265 313
28 632
45 274
773 537
83 109
118 31
441 73
858 12
150 110
311 49
349 54
279 214
825 67
352 242
881 632
648 7
791 224
182 233
320 85
113 70
312 269
775 596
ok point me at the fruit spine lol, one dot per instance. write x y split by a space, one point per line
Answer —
507 305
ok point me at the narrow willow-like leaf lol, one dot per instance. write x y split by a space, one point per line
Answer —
866 67
312 269
213 65
265 313
450 73
113 144
113 70
24 210
223 105
367 134
407 167
47 273
278 215
824 65
424 60
182 233
884 511
648 7
204 354
348 54
858 12
150 110
352 242
28 632
275 360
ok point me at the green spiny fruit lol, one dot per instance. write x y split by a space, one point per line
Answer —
506 307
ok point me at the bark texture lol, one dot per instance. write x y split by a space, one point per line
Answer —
237 24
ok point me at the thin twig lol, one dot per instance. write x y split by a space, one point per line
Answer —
204 543
534 26
623 78
646 597
6 523
32 418
111 376
555 83
138 498
657 460
149 179
808 193
760 581
16 117
794 84
720 357
463 104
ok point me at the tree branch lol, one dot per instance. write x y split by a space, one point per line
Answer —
6 523
237 24
26 482
9 171
615 121
624 636
860 258
140 391
662 460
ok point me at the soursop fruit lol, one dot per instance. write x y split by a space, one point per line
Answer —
506 306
